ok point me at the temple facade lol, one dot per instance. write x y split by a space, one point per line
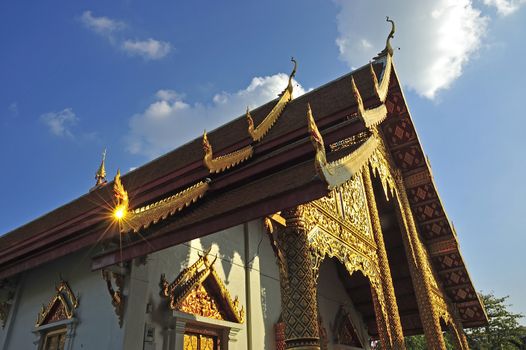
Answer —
307 223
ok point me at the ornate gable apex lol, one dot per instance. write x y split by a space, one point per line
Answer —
198 290
60 307
344 331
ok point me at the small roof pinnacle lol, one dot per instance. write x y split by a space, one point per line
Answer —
100 175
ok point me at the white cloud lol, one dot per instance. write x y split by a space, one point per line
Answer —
170 121
505 7
60 123
437 38
13 109
149 49
101 25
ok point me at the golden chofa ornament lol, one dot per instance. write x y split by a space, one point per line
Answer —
121 198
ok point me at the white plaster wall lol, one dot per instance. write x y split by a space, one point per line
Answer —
230 248
98 326
264 287
331 295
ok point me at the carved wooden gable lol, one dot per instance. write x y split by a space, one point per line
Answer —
198 290
60 307
344 331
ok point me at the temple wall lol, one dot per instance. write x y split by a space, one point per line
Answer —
231 250
146 312
331 296
97 326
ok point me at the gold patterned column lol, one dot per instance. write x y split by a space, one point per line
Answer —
395 325
382 322
456 328
298 287
418 269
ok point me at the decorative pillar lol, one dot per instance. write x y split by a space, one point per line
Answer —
179 329
417 268
382 322
298 286
395 325
455 326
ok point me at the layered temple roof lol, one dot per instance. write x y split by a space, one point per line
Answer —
256 165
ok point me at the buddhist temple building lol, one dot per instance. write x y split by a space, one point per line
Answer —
307 223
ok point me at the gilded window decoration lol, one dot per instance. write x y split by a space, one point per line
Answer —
196 341
198 290
60 307
55 340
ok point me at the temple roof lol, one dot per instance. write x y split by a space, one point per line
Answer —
276 172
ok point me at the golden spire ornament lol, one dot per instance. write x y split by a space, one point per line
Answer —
100 175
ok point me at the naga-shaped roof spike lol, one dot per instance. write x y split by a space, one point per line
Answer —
357 97
121 197
250 122
207 147
373 76
224 162
292 74
316 139
388 48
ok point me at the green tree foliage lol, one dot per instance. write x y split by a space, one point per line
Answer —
503 330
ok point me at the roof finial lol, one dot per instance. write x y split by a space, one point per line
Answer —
121 198
100 175
388 48
292 74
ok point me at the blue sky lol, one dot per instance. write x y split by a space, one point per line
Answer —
140 78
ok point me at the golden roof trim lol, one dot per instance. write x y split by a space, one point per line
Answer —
224 162
194 276
143 217
257 133
339 171
371 117
63 295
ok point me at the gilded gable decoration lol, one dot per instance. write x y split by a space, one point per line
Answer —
224 162
118 299
257 133
198 290
61 307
